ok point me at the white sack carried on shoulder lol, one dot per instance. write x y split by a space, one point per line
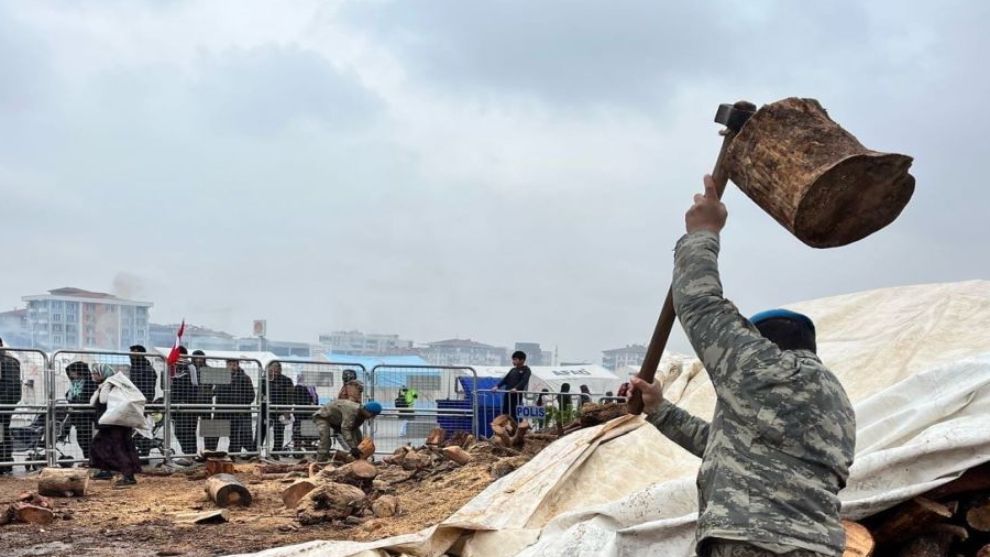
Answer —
125 403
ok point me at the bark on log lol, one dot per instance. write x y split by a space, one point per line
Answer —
295 492
226 490
219 466
595 414
436 437
984 551
929 545
281 468
330 501
32 514
519 437
385 506
909 519
815 178
63 482
505 466
859 541
358 473
416 460
207 517
457 454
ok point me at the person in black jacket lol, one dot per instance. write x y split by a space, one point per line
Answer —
279 393
304 396
204 395
144 377
10 394
240 391
81 389
184 391
515 382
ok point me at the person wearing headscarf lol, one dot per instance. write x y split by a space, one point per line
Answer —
81 389
113 447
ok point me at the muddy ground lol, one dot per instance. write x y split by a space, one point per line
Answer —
138 521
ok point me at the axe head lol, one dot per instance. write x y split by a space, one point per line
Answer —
733 116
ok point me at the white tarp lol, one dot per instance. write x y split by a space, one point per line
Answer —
914 360
598 379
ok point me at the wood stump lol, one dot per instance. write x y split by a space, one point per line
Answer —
436 437
330 501
859 541
358 473
815 178
226 490
385 506
63 482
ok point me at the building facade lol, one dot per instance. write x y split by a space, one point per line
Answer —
73 318
632 355
463 352
356 343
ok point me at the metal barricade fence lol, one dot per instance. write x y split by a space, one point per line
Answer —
543 409
418 398
214 404
24 409
74 418
294 390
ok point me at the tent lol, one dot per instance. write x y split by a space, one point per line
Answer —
914 360
598 379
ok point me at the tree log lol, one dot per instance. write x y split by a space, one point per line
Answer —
978 514
358 473
974 480
219 466
929 545
330 501
859 541
280 468
910 519
226 490
505 466
457 454
815 178
295 492
63 482
32 514
984 551
207 517
519 437
595 414
385 506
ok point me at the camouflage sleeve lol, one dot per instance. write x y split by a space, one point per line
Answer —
347 427
690 432
724 340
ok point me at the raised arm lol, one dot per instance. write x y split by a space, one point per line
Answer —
690 432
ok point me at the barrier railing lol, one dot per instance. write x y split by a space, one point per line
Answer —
543 409
293 391
418 398
74 422
24 409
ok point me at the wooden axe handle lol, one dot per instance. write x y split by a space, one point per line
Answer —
661 333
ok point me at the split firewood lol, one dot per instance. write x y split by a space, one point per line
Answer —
63 482
31 514
436 437
978 514
216 466
385 506
859 541
367 448
457 454
984 551
295 492
330 501
910 519
226 490
519 437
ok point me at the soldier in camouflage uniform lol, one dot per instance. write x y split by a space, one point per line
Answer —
343 417
780 445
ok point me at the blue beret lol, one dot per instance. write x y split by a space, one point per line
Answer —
782 314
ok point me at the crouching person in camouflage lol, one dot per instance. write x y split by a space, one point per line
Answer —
781 442
344 418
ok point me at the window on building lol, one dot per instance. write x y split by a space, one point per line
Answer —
56 317
57 339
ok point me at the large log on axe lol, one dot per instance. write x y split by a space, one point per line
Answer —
812 176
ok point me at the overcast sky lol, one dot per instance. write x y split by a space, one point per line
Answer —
495 170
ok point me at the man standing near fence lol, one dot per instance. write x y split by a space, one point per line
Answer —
515 382
240 391
143 375
10 393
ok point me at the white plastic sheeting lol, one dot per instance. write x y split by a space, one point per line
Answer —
915 361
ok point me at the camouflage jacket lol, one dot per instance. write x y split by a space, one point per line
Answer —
343 416
780 445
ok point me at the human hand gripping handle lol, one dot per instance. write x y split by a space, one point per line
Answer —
651 392
708 212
